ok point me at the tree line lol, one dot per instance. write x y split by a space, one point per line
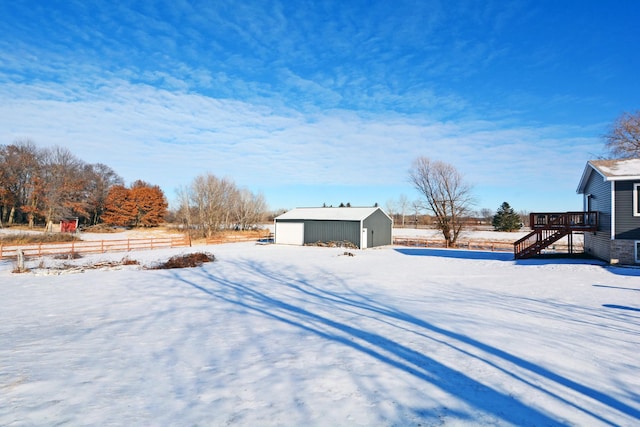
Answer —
210 204
46 185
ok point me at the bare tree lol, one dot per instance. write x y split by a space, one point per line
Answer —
21 181
211 196
623 138
524 218
99 178
417 207
211 204
403 205
445 194
390 208
248 209
486 214
63 185
183 213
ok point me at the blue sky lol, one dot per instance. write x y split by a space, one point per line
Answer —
313 102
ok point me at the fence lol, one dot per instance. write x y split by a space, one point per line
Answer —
236 238
479 245
92 246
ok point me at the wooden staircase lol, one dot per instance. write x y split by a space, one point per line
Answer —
548 228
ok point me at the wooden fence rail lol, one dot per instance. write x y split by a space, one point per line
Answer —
92 246
216 240
480 245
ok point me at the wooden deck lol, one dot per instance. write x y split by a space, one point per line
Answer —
576 221
549 227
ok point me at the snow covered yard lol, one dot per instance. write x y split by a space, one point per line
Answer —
279 335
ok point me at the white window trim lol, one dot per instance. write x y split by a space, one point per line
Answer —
613 210
636 188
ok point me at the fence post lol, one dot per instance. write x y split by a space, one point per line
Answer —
20 260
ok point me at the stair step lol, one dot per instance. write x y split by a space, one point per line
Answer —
536 247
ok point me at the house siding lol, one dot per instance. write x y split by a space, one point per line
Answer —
379 228
327 231
627 225
598 244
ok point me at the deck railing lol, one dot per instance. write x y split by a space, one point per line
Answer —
577 221
549 227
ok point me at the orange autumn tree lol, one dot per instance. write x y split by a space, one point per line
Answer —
118 207
151 205
141 205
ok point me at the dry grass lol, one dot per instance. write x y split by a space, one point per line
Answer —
185 261
31 238
102 228
230 236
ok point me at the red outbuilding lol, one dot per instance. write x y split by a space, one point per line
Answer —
68 225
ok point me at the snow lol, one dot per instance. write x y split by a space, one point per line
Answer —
620 168
339 214
276 335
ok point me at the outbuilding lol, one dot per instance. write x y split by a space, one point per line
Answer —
365 227
68 225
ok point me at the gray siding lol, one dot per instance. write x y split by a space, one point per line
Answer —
598 244
378 224
627 225
379 228
326 231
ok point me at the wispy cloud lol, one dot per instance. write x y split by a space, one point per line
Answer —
169 137
321 93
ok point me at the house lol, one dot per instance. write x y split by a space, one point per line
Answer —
612 188
609 221
365 227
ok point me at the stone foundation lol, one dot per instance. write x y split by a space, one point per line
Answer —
623 252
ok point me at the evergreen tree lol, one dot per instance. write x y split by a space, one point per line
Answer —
506 219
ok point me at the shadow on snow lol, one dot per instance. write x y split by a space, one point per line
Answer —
300 313
499 256
620 307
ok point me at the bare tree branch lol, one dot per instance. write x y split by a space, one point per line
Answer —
445 193
623 138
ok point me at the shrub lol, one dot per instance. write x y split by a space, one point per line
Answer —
195 259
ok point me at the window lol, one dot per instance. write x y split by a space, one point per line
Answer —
637 245
636 199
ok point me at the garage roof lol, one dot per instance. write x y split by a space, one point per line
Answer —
329 214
